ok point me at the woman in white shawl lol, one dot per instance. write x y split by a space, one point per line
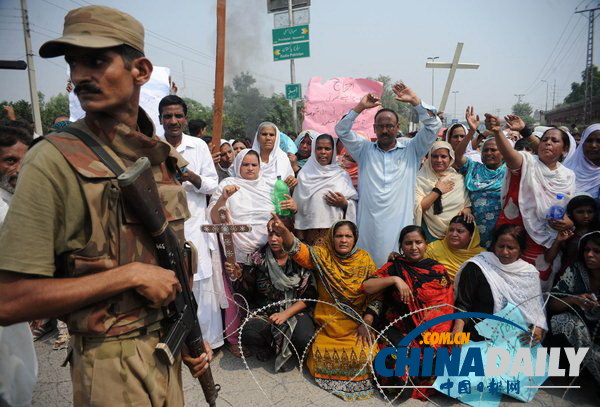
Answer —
274 161
585 163
324 193
491 280
440 192
248 199
529 190
454 136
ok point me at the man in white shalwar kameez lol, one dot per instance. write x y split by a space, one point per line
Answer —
387 171
200 180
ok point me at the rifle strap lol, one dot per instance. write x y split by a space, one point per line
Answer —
100 152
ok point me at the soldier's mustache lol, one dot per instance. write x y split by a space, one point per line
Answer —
86 87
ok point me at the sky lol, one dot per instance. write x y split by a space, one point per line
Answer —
518 44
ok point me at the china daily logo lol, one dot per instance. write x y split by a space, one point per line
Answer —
497 362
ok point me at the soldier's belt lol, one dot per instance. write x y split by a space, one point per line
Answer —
156 326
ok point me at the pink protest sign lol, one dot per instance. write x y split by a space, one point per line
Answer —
327 103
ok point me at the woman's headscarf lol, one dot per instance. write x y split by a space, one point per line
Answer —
587 175
314 182
341 274
517 283
453 259
279 163
306 133
484 179
251 204
452 202
470 152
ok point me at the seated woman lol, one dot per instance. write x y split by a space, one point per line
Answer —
247 198
440 192
459 245
271 277
324 193
575 302
483 179
530 189
274 161
223 167
490 280
585 163
343 349
411 282
238 145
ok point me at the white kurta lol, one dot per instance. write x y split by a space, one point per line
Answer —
196 153
386 181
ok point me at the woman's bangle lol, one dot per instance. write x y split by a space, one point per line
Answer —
437 191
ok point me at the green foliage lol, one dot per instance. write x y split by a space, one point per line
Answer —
57 106
578 89
524 110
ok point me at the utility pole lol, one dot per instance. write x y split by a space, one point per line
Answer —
553 94
546 108
219 77
293 71
519 96
589 60
432 59
35 102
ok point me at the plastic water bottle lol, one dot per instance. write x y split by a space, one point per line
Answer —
557 210
279 191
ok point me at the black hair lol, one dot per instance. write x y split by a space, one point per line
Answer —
194 126
451 129
169 101
565 139
128 53
593 237
470 226
9 136
409 229
348 223
578 202
385 109
326 137
241 140
514 231
523 143
254 153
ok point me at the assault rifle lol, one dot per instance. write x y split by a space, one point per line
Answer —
141 195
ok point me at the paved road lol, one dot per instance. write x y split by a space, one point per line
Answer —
283 389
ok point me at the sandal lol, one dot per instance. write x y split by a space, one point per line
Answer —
234 348
62 341
40 327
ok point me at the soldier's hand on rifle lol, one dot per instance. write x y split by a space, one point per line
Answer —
158 285
229 190
200 364
234 271
291 181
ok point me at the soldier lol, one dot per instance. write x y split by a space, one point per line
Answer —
70 248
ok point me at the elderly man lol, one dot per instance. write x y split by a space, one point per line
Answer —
387 170
68 206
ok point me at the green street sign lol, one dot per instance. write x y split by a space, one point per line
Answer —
293 91
291 51
290 34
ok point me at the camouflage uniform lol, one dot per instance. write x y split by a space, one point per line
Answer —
112 360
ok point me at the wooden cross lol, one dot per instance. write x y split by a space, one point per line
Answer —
453 66
226 229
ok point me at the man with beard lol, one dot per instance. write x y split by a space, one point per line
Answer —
93 264
13 146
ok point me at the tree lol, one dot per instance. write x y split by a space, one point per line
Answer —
578 89
57 106
523 110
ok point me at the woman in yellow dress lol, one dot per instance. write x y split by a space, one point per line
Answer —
342 352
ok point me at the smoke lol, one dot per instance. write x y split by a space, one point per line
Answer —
247 41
